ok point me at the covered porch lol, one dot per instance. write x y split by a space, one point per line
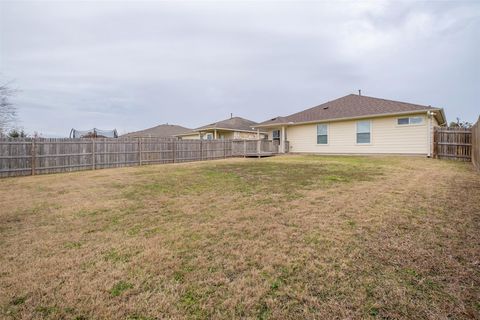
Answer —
278 134
216 134
231 134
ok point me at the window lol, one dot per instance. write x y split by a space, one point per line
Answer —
276 135
409 120
416 120
208 136
322 133
363 132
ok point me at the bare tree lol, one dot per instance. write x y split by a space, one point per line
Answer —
460 124
8 111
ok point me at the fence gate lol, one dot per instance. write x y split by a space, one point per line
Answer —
452 143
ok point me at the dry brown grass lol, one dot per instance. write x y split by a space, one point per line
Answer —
283 238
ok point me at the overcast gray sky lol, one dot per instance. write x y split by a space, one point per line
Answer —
133 65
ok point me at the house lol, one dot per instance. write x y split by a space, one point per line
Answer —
232 128
161 131
357 124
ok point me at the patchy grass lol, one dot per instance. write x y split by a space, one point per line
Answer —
280 238
119 288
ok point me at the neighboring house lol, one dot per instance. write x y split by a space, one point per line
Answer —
233 128
161 131
357 124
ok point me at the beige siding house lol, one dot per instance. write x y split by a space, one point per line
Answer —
232 128
357 124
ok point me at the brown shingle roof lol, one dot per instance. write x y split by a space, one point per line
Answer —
350 106
162 131
234 123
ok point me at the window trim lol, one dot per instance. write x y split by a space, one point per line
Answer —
328 135
410 124
356 132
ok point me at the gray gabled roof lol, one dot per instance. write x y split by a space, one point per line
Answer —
162 131
234 123
350 106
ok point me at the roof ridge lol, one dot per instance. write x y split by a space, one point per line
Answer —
318 105
390 100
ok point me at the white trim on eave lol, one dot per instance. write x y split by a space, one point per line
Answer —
220 129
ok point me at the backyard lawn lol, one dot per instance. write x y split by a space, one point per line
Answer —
288 237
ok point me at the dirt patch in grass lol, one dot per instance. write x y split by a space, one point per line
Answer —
286 237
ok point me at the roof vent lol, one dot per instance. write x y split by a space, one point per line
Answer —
325 108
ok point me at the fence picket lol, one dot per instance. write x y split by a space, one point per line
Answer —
476 144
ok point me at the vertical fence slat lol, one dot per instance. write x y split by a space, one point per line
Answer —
476 144
33 157
139 151
93 154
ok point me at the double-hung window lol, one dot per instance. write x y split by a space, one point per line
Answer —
322 133
363 132
409 120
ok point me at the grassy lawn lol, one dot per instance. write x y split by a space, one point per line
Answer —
282 238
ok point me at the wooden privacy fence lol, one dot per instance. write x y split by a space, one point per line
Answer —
476 144
452 143
19 157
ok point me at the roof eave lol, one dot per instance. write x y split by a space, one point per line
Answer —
226 129
184 134
444 117
350 118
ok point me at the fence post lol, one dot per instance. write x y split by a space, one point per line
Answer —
93 154
201 149
139 151
33 156
476 144
174 149
224 149
244 148
258 147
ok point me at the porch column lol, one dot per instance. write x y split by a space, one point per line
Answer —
258 134
215 134
282 140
